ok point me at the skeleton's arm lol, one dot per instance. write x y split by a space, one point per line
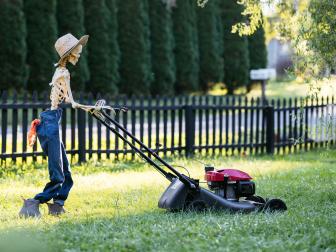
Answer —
62 91
69 98
99 105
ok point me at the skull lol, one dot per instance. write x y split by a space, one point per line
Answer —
75 54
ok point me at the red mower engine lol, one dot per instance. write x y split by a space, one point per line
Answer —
230 184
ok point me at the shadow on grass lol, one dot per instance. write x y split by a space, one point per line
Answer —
154 230
157 230
23 240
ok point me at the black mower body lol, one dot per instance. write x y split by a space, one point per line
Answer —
175 196
179 197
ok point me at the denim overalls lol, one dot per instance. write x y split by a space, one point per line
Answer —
58 165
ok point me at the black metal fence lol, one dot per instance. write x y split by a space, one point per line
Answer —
182 125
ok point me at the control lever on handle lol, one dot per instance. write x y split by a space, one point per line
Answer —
100 103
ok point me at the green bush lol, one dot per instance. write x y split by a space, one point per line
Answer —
70 19
13 71
97 24
210 44
186 41
41 36
134 42
236 57
162 46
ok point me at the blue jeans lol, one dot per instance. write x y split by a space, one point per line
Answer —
58 165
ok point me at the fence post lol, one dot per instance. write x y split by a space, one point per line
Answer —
4 120
81 124
189 129
269 116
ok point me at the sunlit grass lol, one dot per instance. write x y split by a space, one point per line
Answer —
286 89
113 207
296 88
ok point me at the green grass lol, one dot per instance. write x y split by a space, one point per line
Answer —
287 88
113 207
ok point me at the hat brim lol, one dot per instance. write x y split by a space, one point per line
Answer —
82 41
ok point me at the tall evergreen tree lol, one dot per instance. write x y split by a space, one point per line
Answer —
70 19
134 42
42 34
97 22
113 34
13 70
236 57
210 44
186 46
162 46
257 49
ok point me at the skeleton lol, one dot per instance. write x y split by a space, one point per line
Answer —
60 84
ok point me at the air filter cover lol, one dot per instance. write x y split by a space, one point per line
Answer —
234 175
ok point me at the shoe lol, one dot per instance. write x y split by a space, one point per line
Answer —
55 209
30 208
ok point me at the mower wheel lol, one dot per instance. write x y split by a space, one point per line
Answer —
257 199
196 206
273 205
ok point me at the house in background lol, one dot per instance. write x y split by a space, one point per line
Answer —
279 56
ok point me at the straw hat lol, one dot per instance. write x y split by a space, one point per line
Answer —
65 44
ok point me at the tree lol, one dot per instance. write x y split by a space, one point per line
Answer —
186 46
308 26
210 44
162 41
41 36
13 70
236 58
113 34
257 49
97 24
320 33
134 42
70 19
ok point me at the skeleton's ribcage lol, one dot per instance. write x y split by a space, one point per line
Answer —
58 94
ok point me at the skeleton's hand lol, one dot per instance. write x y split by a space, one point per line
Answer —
74 104
100 104
86 107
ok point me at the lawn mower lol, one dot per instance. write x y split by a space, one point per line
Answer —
229 189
